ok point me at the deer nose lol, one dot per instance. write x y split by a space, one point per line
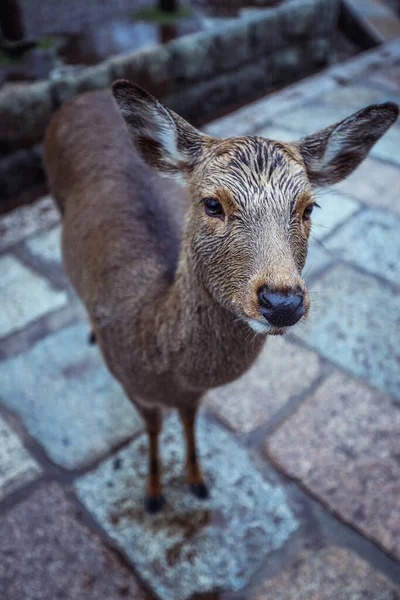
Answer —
281 309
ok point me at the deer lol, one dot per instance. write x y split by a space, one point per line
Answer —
187 250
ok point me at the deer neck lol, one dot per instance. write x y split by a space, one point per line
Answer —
207 342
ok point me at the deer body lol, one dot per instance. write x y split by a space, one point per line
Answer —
176 307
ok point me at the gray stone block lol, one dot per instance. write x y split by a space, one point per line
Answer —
372 241
47 246
354 325
330 573
17 467
25 296
259 394
67 399
27 220
343 444
46 554
191 545
25 111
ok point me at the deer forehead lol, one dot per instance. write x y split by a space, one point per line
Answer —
255 172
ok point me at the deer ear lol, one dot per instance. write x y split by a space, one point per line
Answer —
332 154
166 141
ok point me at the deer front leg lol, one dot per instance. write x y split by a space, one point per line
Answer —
154 499
193 471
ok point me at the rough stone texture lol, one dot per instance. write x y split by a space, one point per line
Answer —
253 399
310 118
67 399
389 78
372 241
331 573
19 171
357 96
26 220
356 326
192 545
46 554
318 258
374 183
388 146
47 246
299 39
25 110
344 445
16 465
25 296
376 18
335 209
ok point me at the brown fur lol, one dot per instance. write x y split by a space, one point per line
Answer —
172 293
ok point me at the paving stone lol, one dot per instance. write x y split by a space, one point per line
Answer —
47 246
67 399
253 399
343 444
191 545
356 326
17 467
272 132
318 258
372 241
335 209
331 573
389 77
26 220
25 295
388 146
46 554
375 183
358 96
311 117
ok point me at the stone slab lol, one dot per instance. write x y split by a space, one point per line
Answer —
25 296
389 78
26 220
335 209
332 573
318 258
376 17
356 326
372 241
67 399
46 554
17 467
357 96
388 147
312 117
256 397
192 545
343 444
47 246
374 183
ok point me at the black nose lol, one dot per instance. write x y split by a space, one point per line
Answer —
281 309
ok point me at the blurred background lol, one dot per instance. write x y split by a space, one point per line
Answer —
302 453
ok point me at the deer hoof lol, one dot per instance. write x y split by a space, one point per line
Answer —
153 504
200 490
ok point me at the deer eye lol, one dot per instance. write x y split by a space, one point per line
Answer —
307 212
213 208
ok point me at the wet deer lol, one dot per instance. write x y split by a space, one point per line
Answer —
187 250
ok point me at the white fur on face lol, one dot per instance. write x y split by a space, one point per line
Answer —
259 326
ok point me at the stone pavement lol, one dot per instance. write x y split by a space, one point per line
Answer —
306 445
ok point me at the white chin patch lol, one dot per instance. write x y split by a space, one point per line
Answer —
258 326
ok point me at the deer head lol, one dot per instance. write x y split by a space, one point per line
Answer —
251 200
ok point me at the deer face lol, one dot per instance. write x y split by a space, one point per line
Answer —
249 217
